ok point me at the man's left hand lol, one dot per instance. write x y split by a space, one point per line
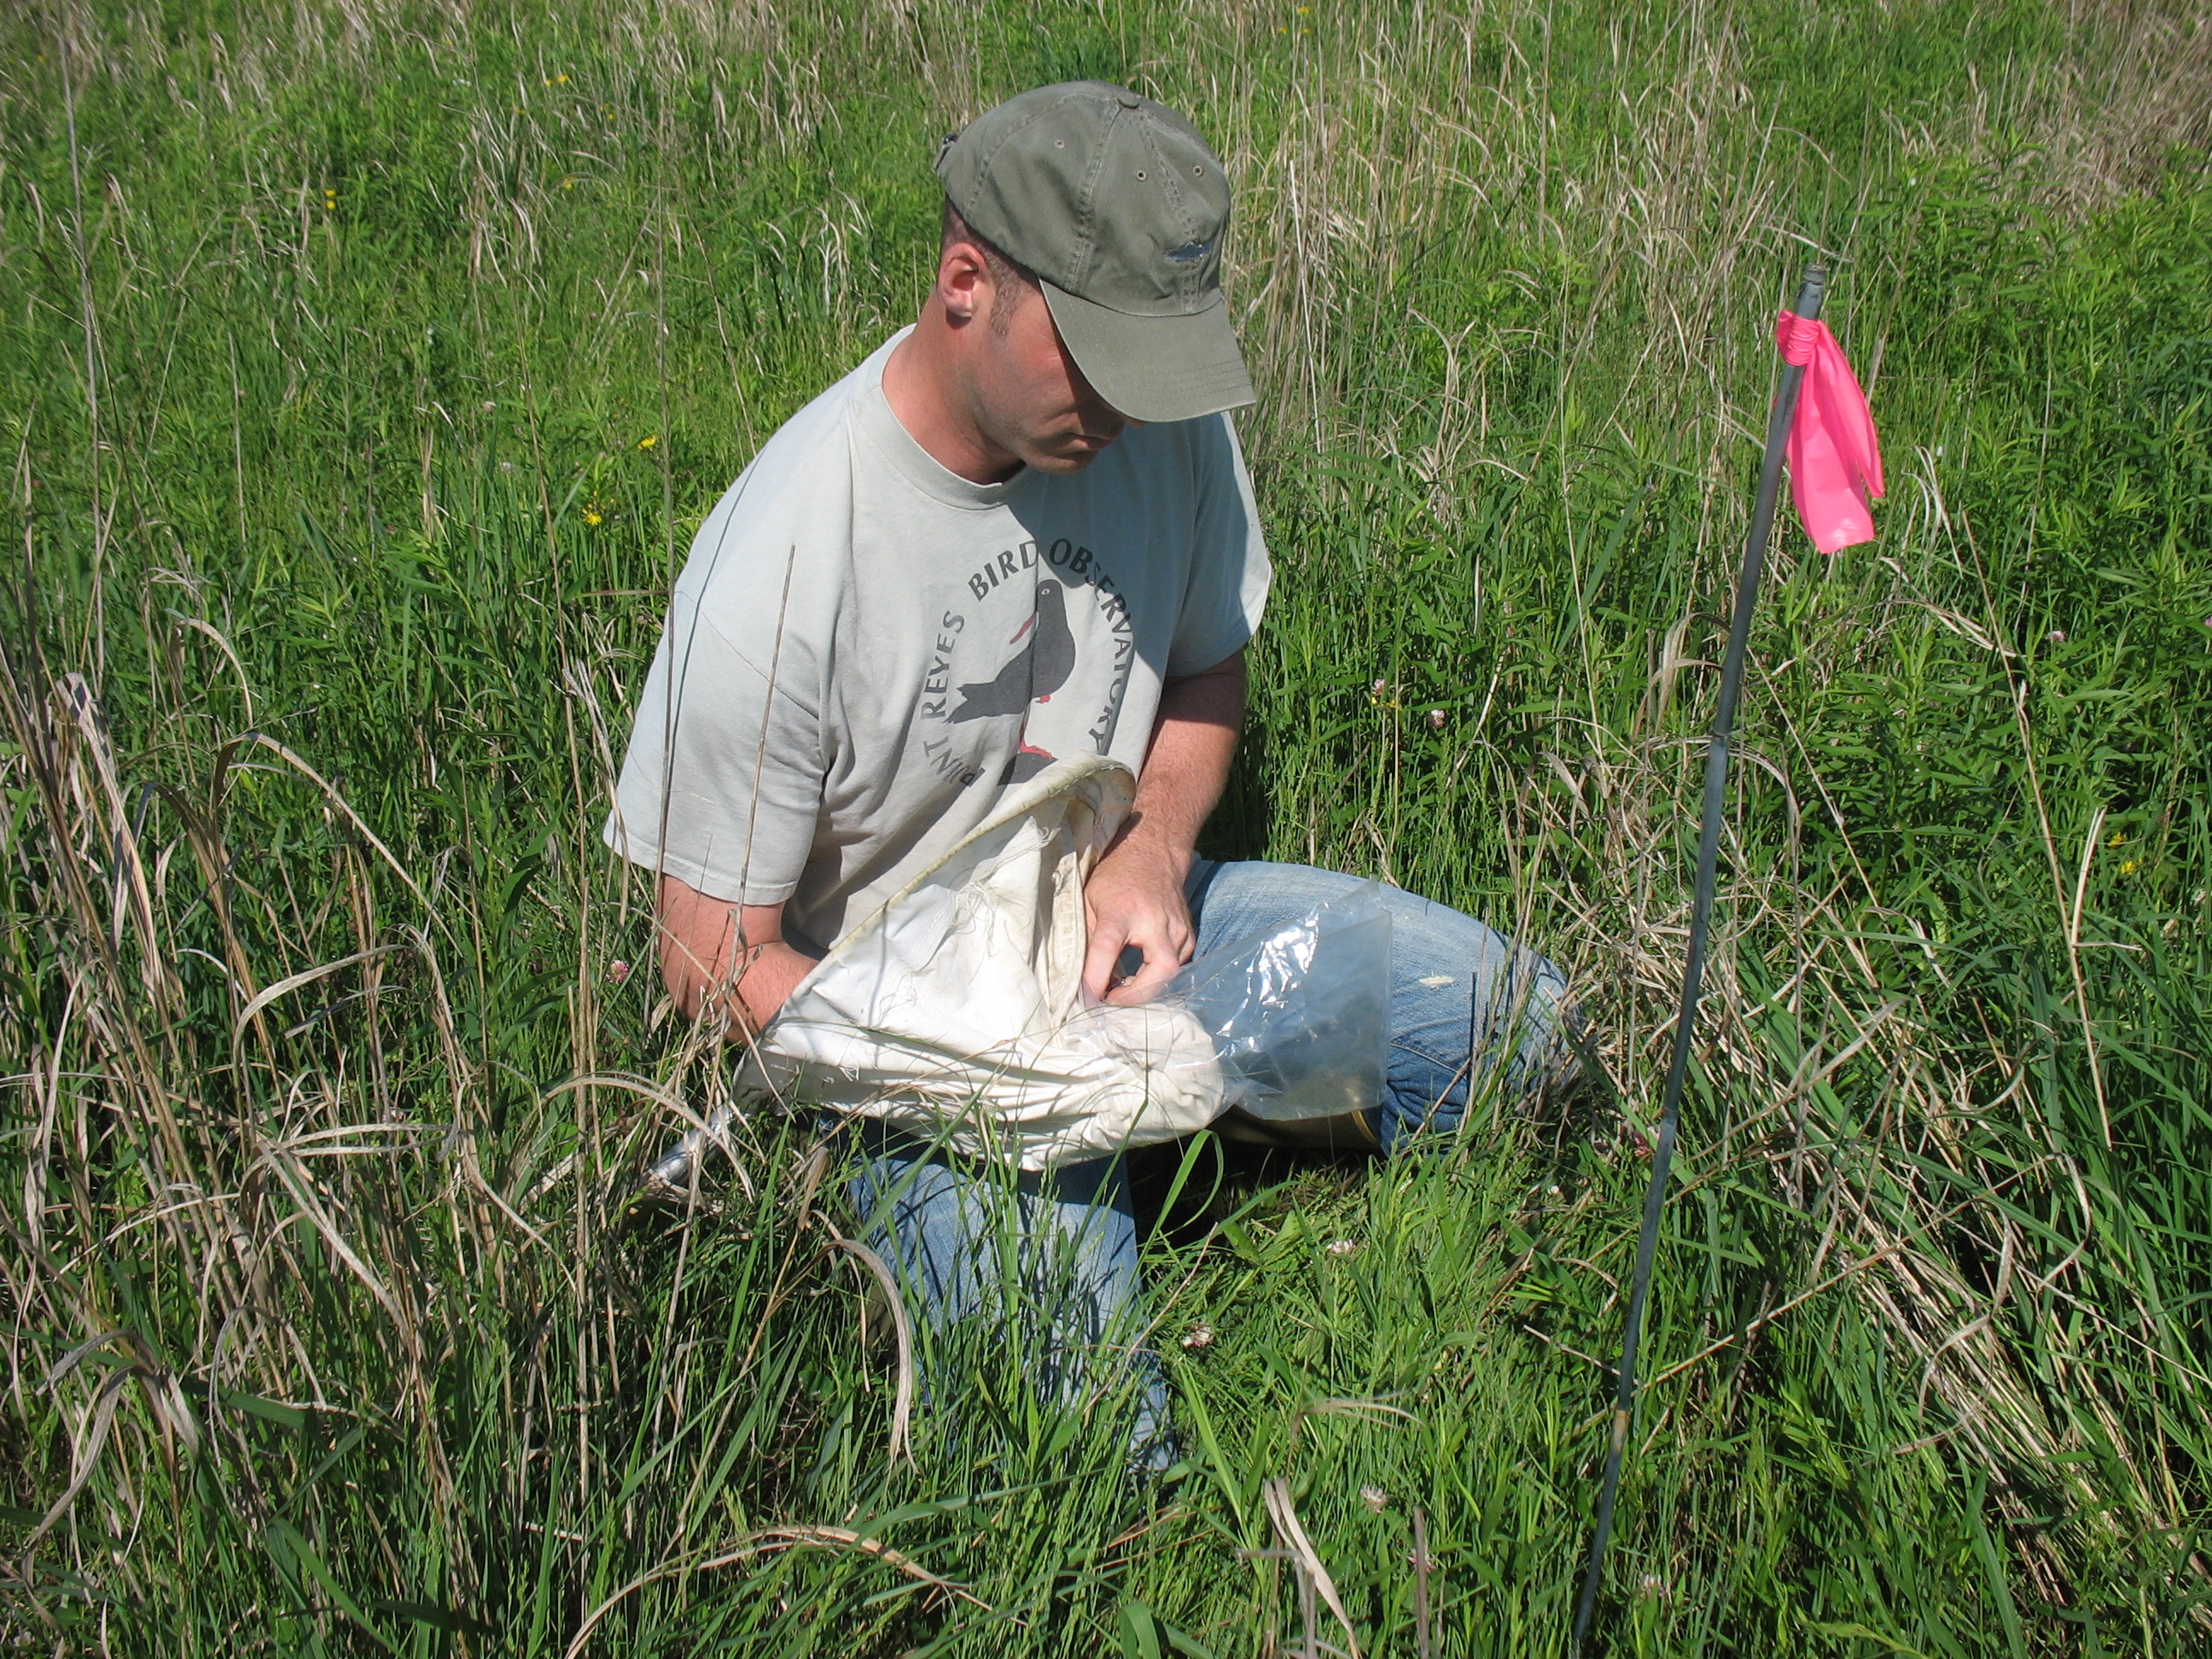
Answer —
1134 898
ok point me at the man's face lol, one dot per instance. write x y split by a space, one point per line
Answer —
1026 394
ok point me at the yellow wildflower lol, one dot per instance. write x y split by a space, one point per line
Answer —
648 440
591 513
2128 866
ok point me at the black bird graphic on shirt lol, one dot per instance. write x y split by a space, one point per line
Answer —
1039 668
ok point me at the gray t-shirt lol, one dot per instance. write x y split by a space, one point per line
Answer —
865 649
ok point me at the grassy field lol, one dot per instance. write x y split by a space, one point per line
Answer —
366 363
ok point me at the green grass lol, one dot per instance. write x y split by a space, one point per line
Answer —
332 339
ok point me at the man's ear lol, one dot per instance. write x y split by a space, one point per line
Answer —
964 281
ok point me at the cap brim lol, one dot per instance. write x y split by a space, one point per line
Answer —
1154 368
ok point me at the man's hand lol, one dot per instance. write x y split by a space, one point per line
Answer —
1134 894
714 954
1134 898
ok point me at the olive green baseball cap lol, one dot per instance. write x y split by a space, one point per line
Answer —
1117 206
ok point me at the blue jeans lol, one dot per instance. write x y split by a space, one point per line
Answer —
1476 1021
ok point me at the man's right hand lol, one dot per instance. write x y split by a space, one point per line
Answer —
714 953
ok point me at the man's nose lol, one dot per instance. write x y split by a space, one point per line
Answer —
1100 416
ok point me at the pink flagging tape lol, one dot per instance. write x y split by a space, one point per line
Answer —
1835 460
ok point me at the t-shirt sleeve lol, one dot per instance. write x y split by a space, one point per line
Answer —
722 784
1229 572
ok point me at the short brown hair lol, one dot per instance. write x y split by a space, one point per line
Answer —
1007 279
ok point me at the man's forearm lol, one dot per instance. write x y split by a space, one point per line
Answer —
763 981
729 957
1187 768
1135 897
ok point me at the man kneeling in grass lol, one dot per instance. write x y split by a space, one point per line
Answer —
1021 529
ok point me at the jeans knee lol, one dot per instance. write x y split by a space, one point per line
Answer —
1511 1046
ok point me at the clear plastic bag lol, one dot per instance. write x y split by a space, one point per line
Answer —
1299 1020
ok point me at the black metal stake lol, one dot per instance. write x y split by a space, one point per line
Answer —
1809 296
1421 1565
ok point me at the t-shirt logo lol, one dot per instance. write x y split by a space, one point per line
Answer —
1043 665
1039 668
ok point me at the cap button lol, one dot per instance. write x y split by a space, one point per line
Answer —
1129 101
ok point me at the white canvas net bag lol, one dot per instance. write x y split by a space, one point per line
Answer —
957 1012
